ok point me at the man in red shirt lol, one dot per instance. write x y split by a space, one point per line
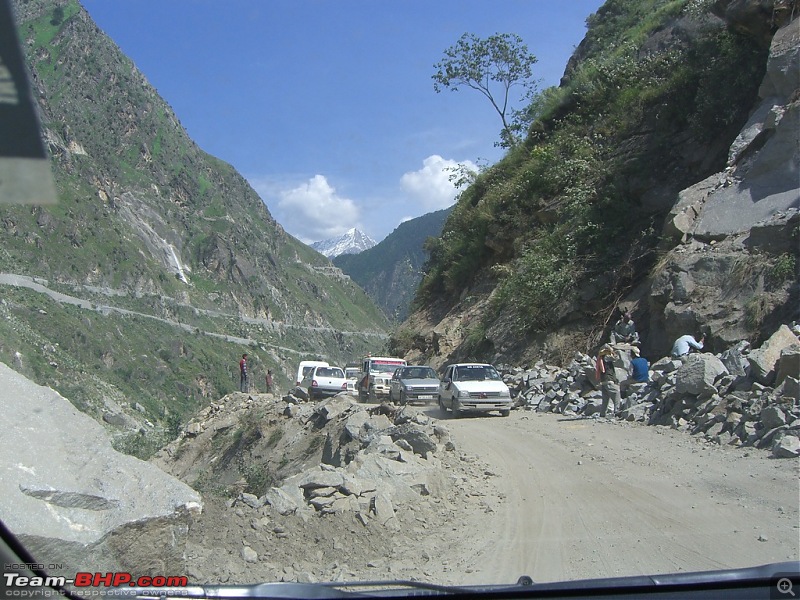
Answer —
243 385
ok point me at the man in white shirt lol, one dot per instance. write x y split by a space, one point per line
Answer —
684 344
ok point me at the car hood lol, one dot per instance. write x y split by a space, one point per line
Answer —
481 386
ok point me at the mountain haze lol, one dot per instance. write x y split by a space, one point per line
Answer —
179 265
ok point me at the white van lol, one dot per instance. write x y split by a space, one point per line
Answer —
305 368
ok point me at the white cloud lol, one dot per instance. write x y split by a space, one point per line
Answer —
431 184
313 211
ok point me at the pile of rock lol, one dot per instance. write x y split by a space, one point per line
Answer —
375 460
740 397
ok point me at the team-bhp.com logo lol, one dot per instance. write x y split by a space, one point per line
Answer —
83 579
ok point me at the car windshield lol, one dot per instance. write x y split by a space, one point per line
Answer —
477 373
383 368
590 252
418 373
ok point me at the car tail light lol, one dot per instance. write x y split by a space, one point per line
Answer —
314 383
344 385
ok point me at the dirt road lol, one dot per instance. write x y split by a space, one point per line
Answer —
584 498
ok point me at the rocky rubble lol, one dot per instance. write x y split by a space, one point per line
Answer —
740 397
356 491
375 459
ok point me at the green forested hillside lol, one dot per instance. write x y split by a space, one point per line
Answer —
391 271
569 221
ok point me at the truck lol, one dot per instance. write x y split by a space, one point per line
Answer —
376 373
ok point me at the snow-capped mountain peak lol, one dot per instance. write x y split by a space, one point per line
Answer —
352 241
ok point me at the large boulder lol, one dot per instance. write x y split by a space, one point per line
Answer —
788 364
765 158
72 499
764 360
698 375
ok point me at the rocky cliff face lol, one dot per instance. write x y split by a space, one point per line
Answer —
732 266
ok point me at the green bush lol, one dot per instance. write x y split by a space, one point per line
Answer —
783 269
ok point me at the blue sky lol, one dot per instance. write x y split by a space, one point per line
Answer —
327 107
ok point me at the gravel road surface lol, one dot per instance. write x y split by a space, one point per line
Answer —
588 498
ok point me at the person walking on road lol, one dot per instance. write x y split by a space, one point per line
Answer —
243 384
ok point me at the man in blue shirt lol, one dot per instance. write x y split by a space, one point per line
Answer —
640 368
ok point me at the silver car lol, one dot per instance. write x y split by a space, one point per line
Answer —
413 384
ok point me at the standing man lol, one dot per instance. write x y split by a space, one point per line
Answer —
269 381
609 386
243 385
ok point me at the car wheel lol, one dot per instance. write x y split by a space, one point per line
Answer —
505 413
456 409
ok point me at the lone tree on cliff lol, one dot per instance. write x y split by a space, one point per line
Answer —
491 66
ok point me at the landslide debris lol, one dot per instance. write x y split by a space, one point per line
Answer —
327 491
739 397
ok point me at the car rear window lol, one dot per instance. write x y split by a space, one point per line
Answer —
329 372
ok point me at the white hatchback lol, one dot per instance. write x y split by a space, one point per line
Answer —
473 387
324 381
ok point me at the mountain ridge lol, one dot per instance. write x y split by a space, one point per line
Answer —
391 271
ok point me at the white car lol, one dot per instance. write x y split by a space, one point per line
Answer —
473 387
306 367
324 381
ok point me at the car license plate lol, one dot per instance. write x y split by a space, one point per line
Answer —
425 397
